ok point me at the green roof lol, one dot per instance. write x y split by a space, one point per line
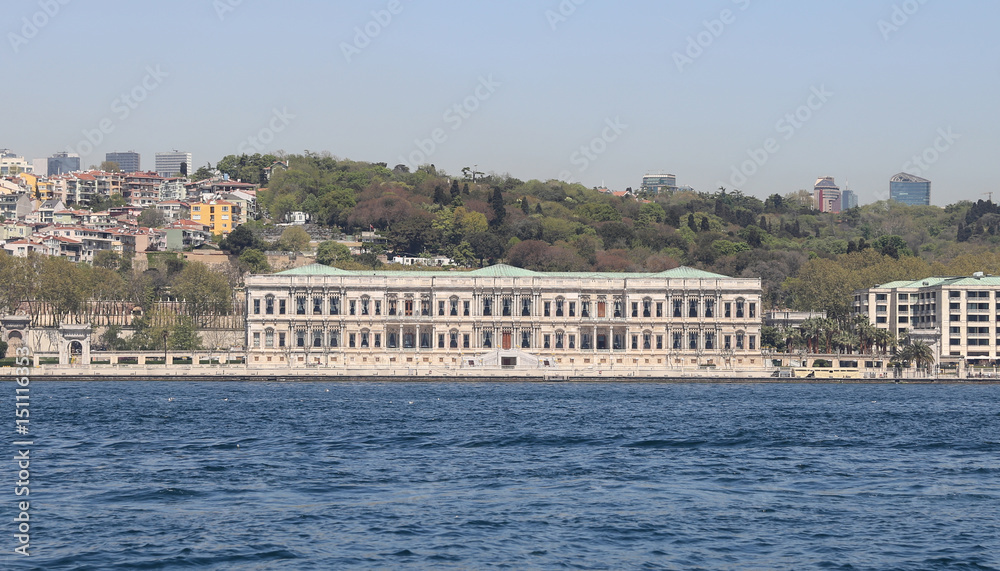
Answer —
942 280
314 270
501 271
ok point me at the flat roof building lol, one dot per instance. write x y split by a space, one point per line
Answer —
909 189
169 164
127 161
956 316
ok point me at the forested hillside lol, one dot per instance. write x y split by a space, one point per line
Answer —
807 259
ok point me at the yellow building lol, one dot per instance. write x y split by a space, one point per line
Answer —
41 187
219 215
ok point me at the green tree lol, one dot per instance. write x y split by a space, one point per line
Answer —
255 261
240 239
110 166
183 336
893 246
206 292
499 210
330 253
151 218
295 239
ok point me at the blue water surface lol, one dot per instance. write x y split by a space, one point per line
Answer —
223 475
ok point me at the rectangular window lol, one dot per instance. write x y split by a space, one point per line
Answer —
677 340
709 340
269 305
646 341
351 340
281 307
659 309
729 309
506 307
440 340
547 309
364 339
334 305
753 311
635 309
300 338
635 342
693 308
365 303
256 339
425 340
425 309
559 307
647 307
465 308
546 341
353 307
487 306
408 307
692 340
441 308
390 340
453 309
710 308
572 341
465 341
739 341
584 309
677 308
525 307
659 341
585 342
487 339
559 340
727 341
378 307
317 305
739 309
269 339
753 341
281 339
453 340
378 340
572 309
317 337
300 305
602 309
525 340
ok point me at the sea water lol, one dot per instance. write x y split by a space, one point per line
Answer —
225 475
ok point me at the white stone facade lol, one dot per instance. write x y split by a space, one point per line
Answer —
317 316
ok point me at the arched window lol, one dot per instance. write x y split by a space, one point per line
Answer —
269 338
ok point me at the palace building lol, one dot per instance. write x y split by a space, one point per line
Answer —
505 317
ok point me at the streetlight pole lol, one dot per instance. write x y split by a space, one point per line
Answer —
164 348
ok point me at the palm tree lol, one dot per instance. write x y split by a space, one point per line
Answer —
921 354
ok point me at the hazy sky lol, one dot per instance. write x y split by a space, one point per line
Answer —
765 96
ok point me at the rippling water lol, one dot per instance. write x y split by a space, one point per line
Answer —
517 476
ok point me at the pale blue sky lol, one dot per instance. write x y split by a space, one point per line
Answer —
546 86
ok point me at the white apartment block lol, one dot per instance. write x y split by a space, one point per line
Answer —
959 317
324 317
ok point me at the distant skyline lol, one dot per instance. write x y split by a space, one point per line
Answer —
762 96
